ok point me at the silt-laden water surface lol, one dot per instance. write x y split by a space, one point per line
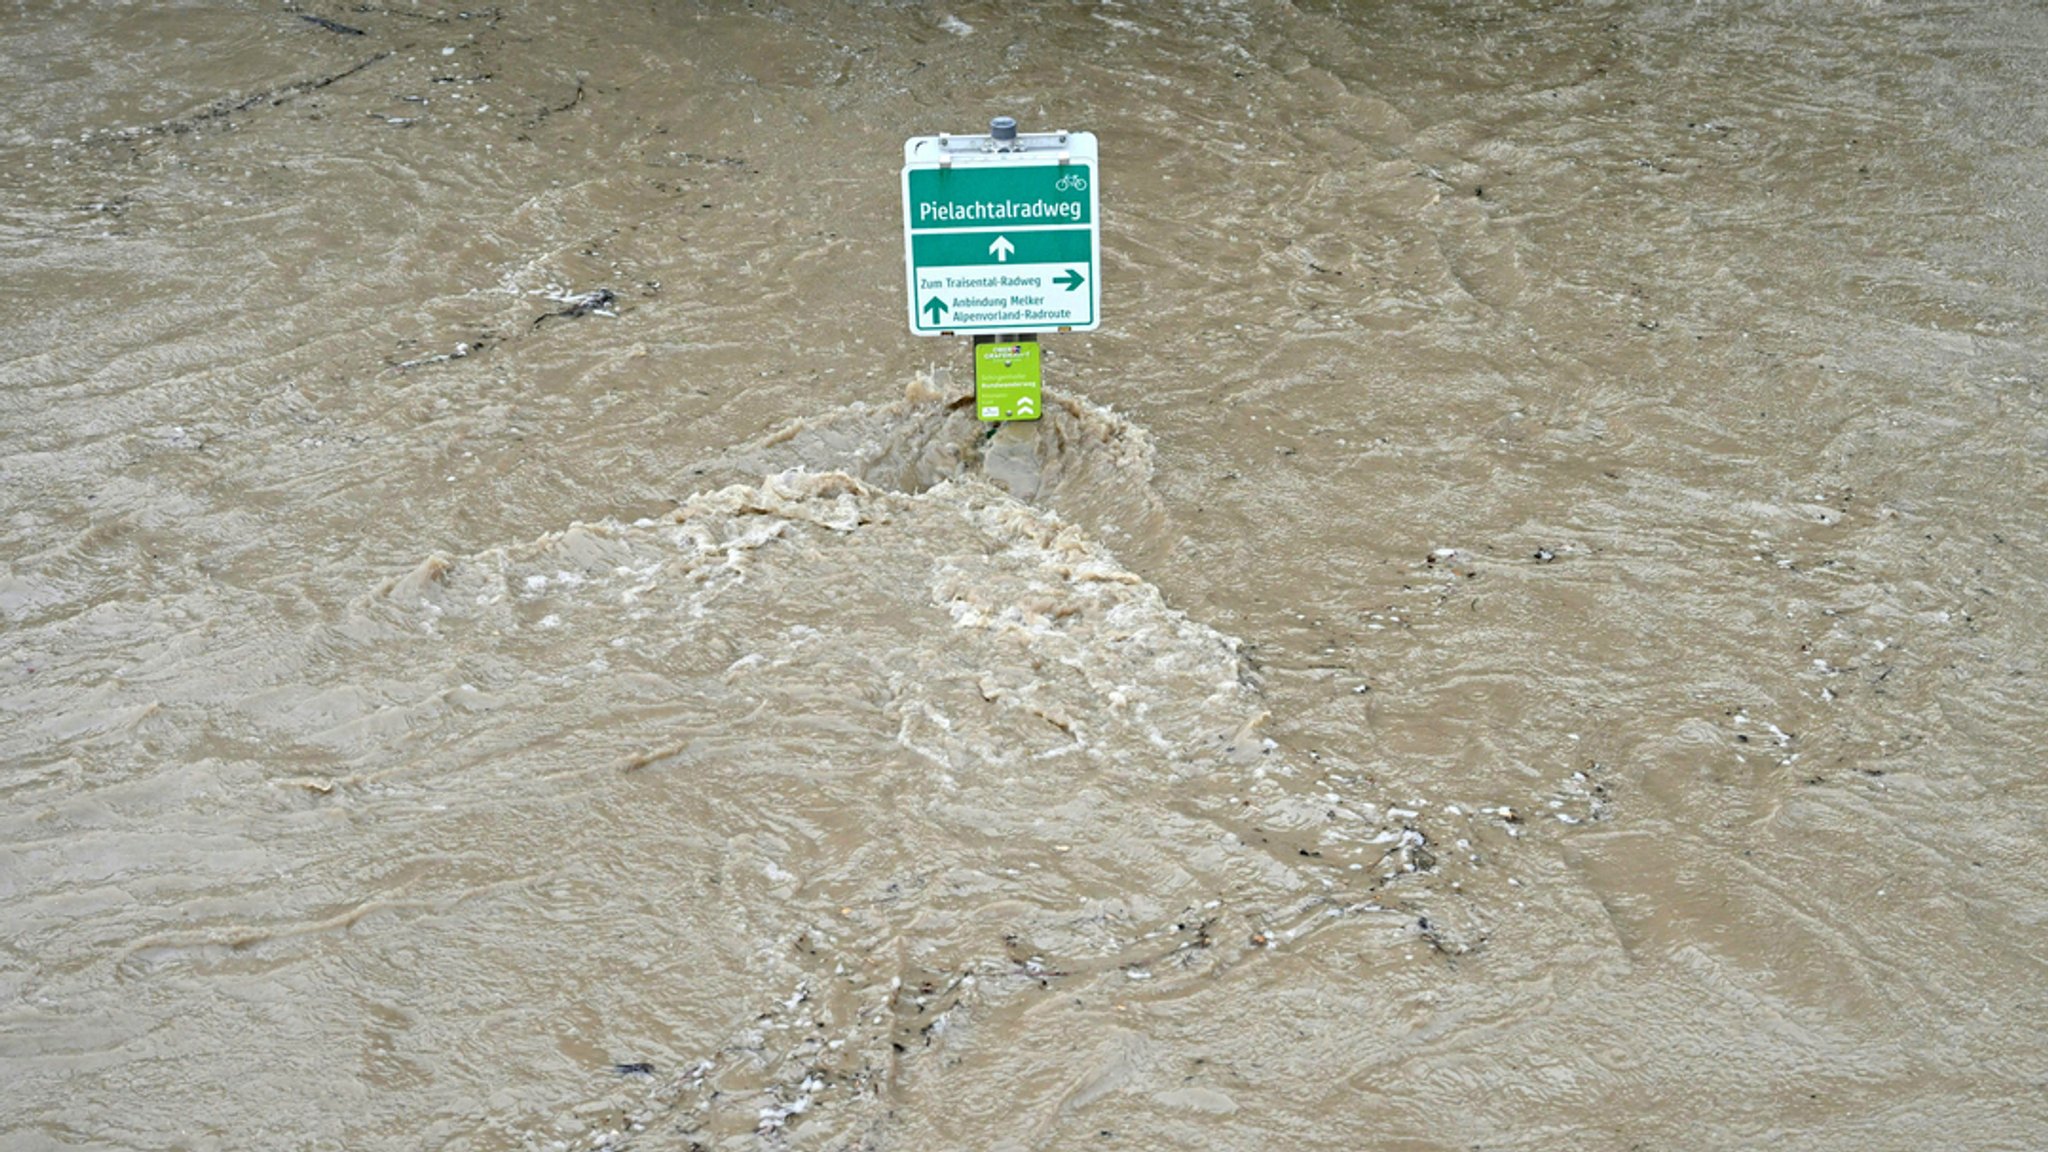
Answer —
1521 630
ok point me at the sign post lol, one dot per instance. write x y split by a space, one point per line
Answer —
1001 240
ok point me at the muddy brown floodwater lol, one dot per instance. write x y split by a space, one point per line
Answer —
1523 630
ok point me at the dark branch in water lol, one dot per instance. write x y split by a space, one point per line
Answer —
224 108
331 25
572 102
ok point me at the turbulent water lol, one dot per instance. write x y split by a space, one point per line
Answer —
1522 630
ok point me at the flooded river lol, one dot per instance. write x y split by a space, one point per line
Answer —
1522 630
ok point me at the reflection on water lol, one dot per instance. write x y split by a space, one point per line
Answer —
1517 631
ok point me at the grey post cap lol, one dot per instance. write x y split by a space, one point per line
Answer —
1003 128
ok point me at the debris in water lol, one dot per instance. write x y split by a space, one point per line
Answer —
597 303
331 25
462 350
776 1116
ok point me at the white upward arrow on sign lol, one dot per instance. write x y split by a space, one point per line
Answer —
1001 249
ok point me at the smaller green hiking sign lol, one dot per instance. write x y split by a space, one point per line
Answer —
1006 380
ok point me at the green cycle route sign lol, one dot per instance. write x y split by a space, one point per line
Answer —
1002 240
